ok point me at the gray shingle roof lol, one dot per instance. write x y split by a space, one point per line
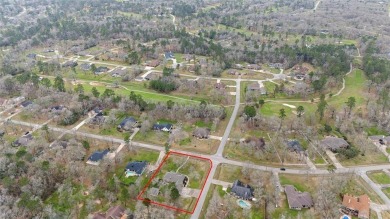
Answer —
333 143
180 180
294 145
241 190
298 199
201 133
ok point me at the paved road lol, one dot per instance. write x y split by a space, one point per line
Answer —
225 136
375 187
173 21
219 154
316 6
215 158
333 158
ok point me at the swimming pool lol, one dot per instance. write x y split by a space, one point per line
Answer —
130 173
244 204
345 217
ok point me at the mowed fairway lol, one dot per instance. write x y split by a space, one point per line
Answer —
354 87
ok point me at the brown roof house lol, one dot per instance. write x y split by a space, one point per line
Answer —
334 144
298 200
115 212
201 133
357 206
255 86
233 72
153 63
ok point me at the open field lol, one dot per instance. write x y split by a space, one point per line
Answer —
354 87
370 157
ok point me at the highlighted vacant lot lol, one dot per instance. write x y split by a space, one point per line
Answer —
178 182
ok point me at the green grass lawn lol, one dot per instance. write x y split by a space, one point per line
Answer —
138 155
179 57
298 181
358 186
369 158
273 109
379 177
286 211
354 87
387 192
319 160
375 131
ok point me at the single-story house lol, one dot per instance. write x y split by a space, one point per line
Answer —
26 103
180 180
233 72
242 190
115 212
97 119
386 140
188 57
334 144
85 66
57 109
153 63
98 110
32 56
136 168
101 69
201 133
377 139
255 86
238 66
151 76
118 72
220 86
169 55
98 156
357 206
380 139
128 124
166 127
294 146
257 143
253 67
298 200
69 63
276 65
63 144
23 141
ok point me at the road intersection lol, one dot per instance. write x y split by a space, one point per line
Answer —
218 157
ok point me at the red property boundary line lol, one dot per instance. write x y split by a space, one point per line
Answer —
139 197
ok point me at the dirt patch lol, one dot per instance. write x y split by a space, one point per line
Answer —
96 84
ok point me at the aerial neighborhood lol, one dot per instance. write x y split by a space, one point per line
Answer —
194 109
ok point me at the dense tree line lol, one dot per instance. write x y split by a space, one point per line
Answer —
376 68
163 85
